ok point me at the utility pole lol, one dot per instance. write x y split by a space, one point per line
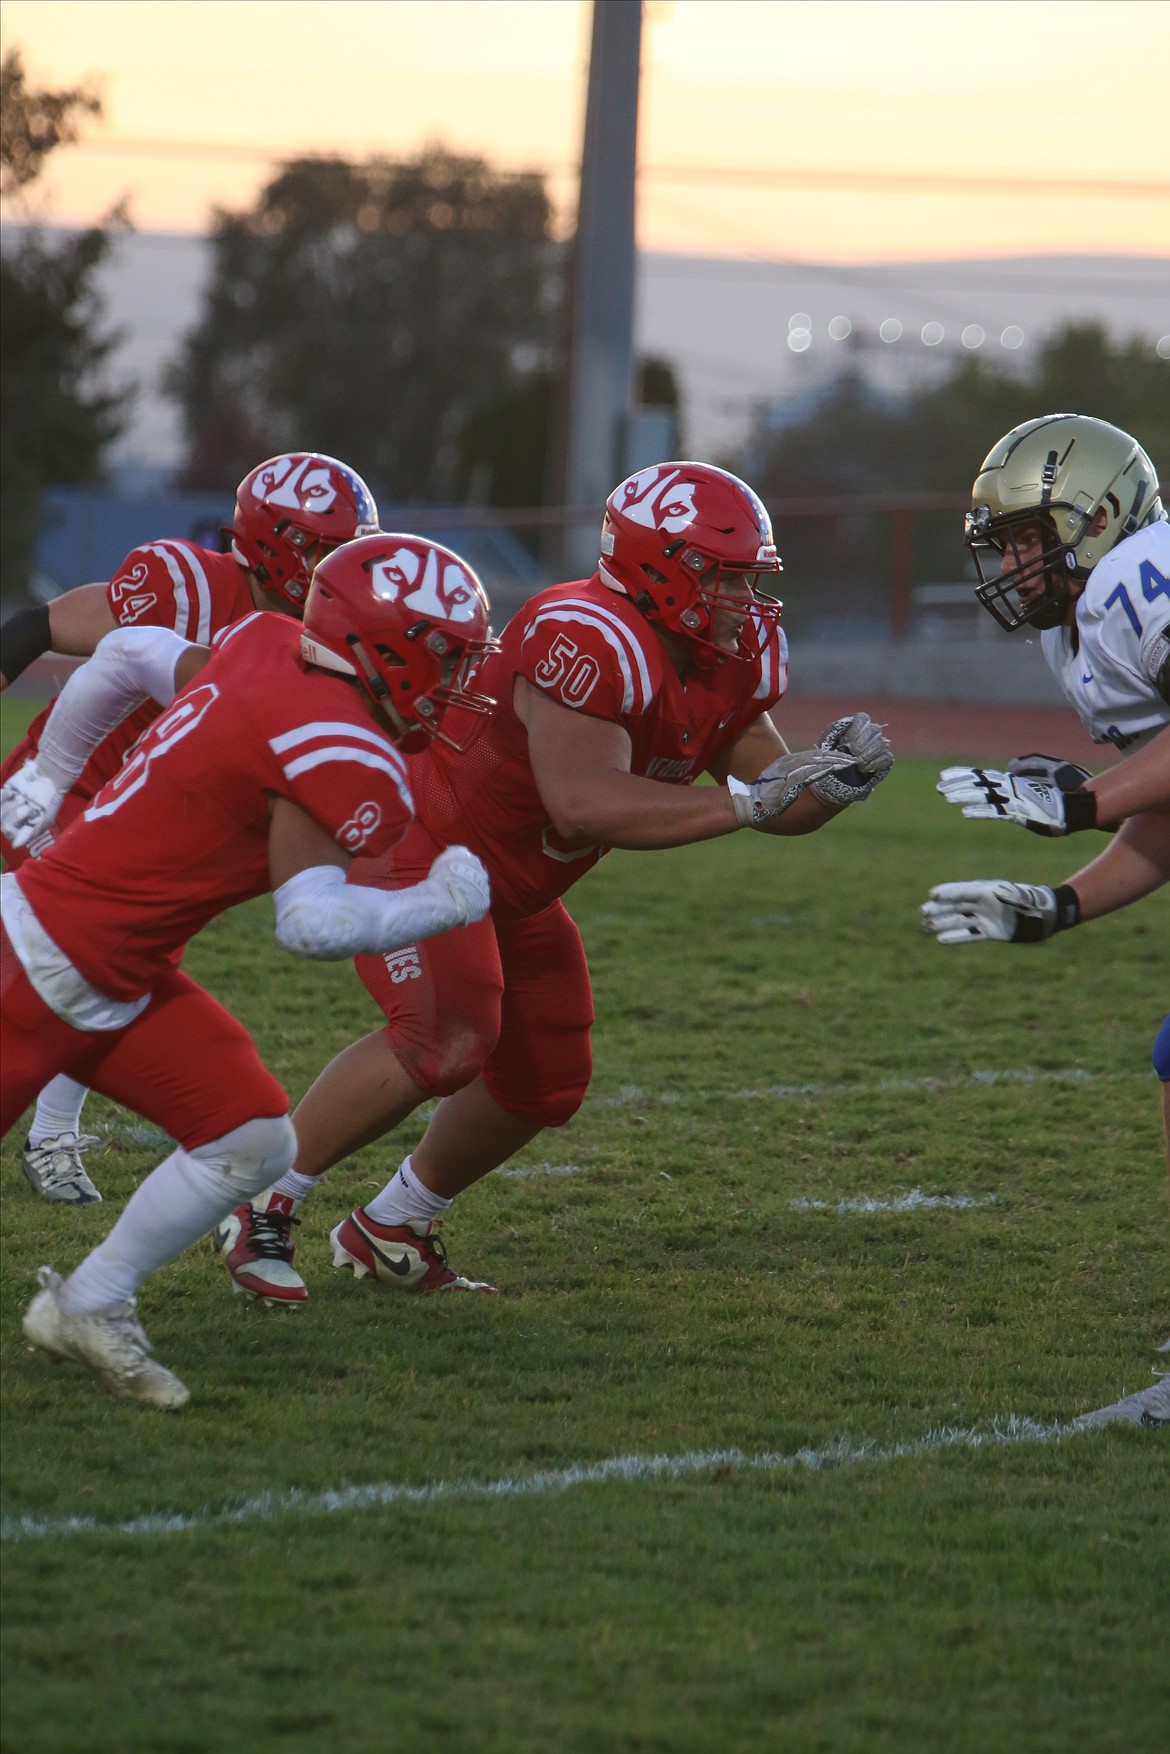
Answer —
601 318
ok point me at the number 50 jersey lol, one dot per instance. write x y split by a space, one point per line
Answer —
1115 668
180 834
587 648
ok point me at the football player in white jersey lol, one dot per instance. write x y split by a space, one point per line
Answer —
1070 536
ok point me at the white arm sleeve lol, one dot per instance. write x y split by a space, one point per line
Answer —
128 666
319 914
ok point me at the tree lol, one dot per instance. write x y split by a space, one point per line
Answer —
32 123
56 417
375 311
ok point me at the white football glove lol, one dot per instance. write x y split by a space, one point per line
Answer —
998 912
870 760
781 783
462 874
1045 807
1052 768
29 801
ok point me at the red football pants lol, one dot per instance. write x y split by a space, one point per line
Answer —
506 1000
185 1064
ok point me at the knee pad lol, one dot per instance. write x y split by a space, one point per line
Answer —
440 1066
546 1108
546 1095
250 1158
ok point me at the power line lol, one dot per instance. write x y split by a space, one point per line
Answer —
722 176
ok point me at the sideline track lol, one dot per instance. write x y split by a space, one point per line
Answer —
840 1452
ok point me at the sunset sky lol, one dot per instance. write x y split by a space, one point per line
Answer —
740 100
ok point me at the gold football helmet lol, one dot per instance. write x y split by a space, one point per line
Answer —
1051 498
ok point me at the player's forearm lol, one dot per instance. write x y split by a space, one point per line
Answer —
1140 782
1133 865
79 619
625 810
71 624
321 916
131 665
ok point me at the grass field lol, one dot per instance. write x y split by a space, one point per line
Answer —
791 1558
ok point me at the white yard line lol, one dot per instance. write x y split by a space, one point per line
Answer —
624 1470
631 1094
914 1201
523 1170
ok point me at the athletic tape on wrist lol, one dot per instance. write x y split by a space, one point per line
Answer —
1080 811
1068 906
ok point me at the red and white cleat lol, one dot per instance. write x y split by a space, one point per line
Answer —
257 1248
409 1257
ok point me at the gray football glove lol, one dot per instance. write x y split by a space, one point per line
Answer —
871 759
1041 805
29 801
998 912
759 802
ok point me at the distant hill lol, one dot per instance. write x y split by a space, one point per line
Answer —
723 322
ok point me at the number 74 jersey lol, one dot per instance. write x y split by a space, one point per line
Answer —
1115 672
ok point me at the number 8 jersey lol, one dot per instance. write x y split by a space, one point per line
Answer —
180 834
1114 664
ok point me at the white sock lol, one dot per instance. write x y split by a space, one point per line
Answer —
405 1199
59 1109
297 1187
179 1202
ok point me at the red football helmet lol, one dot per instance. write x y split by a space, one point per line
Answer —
686 541
291 511
410 620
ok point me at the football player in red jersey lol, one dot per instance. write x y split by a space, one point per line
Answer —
290 512
615 693
277 760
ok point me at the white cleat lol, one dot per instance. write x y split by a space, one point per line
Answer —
55 1170
1148 1407
256 1245
110 1342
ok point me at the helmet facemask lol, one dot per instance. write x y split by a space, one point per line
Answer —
730 616
1051 499
454 663
1018 551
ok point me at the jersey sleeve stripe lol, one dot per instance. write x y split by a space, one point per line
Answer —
229 632
633 689
192 595
202 636
334 728
773 663
623 628
767 661
341 752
